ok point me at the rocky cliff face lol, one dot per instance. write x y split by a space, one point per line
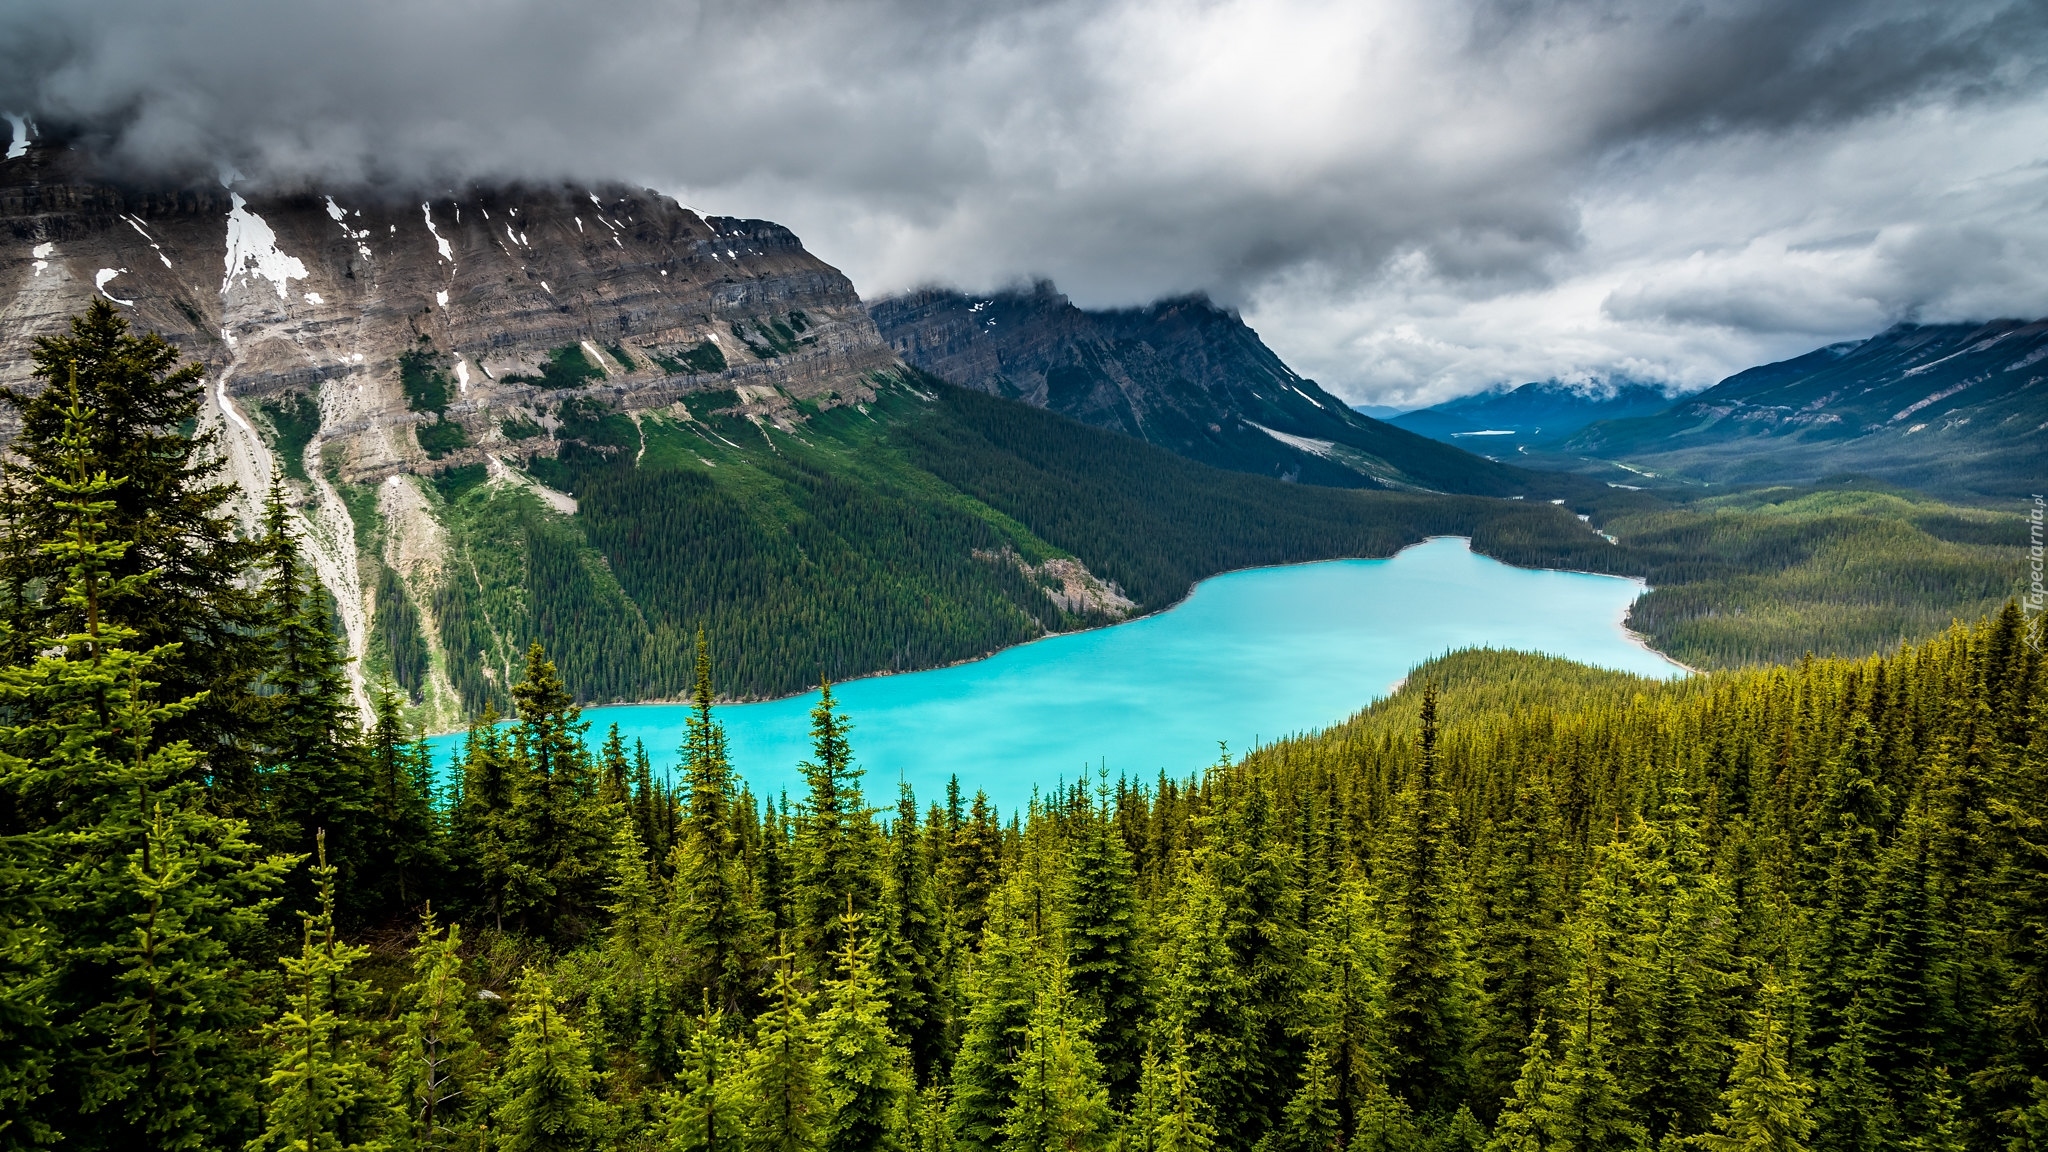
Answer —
354 338
1182 374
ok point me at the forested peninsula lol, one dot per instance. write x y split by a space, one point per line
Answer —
1521 905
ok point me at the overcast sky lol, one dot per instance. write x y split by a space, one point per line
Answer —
1408 198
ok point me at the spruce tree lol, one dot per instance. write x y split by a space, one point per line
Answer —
1582 1105
719 929
438 1066
1345 1069
546 1101
910 946
1205 1003
971 869
1765 1106
1424 1021
481 828
1679 964
1106 950
121 407
639 999
1059 1103
1310 1122
557 826
615 777
1168 1114
145 893
1517 948
1522 1117
411 860
999 993
317 777
835 846
325 1093
782 1075
707 1111
863 1085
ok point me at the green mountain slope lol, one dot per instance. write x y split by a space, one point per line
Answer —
931 525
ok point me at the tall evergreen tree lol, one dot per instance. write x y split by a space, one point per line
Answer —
836 849
1522 1118
1106 947
707 1112
785 1103
1765 1106
481 827
910 948
971 868
1206 1004
998 993
1346 1065
558 827
325 1093
317 778
145 893
720 929
1168 1113
1516 947
120 406
1582 1106
1424 1019
862 1077
410 861
438 1065
1679 964
1059 1104
544 1088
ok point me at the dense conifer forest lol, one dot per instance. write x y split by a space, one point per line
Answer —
1521 905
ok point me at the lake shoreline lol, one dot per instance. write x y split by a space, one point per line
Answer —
1636 638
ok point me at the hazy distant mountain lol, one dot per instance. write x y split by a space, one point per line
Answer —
1182 374
1378 411
1536 413
1946 407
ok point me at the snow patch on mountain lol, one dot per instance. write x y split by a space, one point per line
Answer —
252 251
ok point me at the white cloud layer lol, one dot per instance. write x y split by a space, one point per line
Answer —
1409 198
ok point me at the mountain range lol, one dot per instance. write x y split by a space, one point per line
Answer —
1953 408
1183 374
1535 413
591 416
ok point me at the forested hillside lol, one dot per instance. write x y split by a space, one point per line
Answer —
936 524
1520 905
927 525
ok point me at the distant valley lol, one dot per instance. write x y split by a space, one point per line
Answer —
1537 413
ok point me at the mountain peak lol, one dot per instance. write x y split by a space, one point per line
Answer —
1181 372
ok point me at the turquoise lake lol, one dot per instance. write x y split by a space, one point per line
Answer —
1249 657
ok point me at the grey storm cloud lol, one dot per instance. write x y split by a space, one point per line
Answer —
1409 198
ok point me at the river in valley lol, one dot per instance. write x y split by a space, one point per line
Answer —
1249 657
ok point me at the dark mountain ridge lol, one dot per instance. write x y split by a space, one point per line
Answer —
1957 408
1182 374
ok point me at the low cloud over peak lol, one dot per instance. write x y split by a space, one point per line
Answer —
1410 198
